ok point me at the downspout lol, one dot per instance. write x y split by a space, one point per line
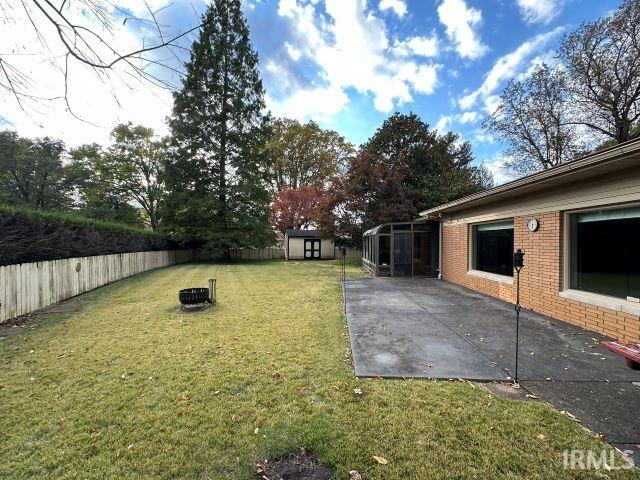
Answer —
440 248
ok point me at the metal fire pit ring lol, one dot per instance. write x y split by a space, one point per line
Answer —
198 296
193 296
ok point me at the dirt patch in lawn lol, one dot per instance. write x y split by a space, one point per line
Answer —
510 391
18 324
295 466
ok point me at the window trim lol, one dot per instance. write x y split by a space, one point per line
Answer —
471 257
596 299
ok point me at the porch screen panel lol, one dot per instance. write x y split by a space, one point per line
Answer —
605 252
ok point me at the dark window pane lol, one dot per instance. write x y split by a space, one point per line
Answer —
494 249
604 253
384 252
404 226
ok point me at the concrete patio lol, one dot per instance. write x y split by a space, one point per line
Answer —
428 328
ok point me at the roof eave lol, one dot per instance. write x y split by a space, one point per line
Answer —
513 187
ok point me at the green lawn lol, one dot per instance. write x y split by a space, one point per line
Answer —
127 387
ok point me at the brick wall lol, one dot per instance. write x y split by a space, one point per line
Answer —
541 279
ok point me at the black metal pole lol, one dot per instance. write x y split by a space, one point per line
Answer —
518 263
517 318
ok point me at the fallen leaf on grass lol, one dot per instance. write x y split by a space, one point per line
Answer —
182 398
380 460
541 437
357 391
1 386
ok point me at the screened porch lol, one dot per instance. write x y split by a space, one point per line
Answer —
402 249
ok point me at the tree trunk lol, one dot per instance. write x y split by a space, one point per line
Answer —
622 131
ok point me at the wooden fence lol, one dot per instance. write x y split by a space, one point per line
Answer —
352 253
29 286
271 253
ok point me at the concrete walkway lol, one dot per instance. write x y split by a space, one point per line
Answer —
428 328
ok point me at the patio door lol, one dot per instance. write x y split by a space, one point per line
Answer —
311 249
402 253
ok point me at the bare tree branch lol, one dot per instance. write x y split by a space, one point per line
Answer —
89 39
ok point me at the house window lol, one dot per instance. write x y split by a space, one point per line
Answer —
605 254
493 247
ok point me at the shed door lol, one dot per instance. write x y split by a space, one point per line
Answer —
402 253
311 249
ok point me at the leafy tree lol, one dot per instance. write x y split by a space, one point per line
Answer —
403 169
305 154
137 162
634 132
94 180
218 171
436 168
296 208
533 118
32 173
483 177
602 59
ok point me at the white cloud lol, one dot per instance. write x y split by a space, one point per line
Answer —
468 117
506 68
461 22
420 46
140 8
323 103
498 168
293 52
540 11
481 136
398 6
443 122
351 49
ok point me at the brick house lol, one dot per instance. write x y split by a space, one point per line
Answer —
579 226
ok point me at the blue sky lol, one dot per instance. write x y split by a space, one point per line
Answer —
347 64
445 60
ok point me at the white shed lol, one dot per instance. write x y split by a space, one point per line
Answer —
308 245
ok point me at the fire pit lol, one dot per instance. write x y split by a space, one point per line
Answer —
198 296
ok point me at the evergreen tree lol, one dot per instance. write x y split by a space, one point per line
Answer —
217 172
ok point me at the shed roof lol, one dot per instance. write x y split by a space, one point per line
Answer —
602 162
303 233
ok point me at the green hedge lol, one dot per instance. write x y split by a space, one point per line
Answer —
28 235
75 220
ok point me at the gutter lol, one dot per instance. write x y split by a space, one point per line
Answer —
594 159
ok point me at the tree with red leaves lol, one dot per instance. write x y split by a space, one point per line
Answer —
296 208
